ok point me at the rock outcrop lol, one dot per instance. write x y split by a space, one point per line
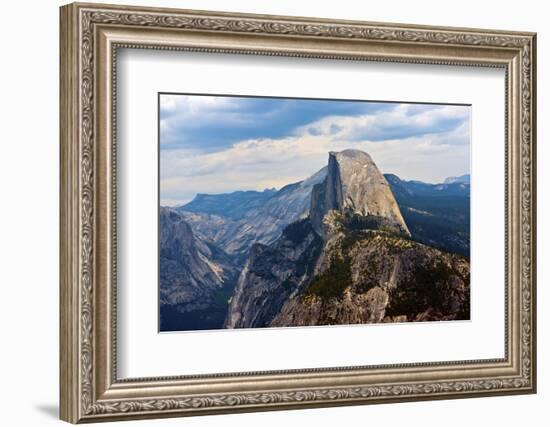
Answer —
371 277
355 186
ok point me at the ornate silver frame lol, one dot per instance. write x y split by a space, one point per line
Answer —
90 36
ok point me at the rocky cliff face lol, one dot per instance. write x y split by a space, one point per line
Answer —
351 261
355 186
273 274
194 276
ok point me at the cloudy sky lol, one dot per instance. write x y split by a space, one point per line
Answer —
216 144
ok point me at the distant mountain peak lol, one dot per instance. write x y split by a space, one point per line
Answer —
462 179
355 185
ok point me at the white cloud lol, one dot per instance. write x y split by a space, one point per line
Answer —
192 104
400 122
264 163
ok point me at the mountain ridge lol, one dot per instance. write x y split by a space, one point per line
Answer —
462 179
232 205
437 214
261 225
282 248
349 276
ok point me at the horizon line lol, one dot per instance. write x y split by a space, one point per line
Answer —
180 203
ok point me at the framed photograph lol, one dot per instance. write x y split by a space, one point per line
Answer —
266 212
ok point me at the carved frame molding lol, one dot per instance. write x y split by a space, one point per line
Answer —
90 36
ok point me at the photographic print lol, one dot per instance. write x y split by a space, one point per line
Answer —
296 191
285 212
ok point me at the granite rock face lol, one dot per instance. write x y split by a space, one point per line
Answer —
273 274
355 186
194 273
